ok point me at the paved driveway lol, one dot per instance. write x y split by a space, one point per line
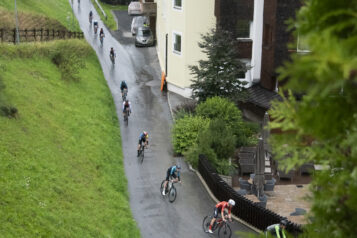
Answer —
156 217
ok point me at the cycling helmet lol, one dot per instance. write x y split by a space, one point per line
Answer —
126 100
284 222
178 166
145 133
232 202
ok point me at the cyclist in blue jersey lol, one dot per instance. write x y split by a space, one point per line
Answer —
171 173
144 137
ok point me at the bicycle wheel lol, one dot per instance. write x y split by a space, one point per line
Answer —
162 186
142 154
172 194
224 231
206 222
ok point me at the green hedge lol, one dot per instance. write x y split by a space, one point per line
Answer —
185 132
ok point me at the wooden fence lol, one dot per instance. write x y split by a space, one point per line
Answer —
9 35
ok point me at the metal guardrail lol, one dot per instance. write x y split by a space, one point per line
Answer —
29 35
245 209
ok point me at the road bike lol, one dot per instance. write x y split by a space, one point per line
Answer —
112 58
170 190
101 38
126 117
224 230
124 94
95 27
90 19
141 153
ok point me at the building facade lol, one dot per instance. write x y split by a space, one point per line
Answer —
179 25
259 25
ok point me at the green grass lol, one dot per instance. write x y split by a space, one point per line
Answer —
55 9
61 162
110 22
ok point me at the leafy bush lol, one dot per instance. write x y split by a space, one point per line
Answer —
185 132
8 111
218 137
227 111
217 143
69 59
185 108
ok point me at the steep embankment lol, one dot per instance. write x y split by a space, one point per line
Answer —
61 162
56 10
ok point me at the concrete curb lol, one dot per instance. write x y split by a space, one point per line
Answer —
170 107
204 182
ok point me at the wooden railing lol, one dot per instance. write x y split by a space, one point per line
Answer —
29 35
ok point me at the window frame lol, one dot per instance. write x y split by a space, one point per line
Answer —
249 29
174 34
175 7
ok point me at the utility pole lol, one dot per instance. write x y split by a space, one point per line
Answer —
17 26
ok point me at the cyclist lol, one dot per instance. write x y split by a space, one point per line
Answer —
90 17
144 137
112 54
95 25
123 86
277 229
126 105
101 35
219 208
171 173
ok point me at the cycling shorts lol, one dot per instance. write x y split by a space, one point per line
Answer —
216 212
141 140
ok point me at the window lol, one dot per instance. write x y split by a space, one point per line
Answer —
178 4
243 29
177 43
302 46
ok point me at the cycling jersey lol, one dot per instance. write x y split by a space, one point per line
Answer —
126 105
171 172
276 230
220 207
143 138
123 85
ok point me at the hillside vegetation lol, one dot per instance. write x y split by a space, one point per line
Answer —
58 10
61 160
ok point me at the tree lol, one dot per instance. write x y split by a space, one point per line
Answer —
220 74
321 127
226 111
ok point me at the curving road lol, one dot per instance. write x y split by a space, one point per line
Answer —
155 216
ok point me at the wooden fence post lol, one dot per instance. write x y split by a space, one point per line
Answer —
2 34
41 34
53 34
26 35
48 34
34 34
14 35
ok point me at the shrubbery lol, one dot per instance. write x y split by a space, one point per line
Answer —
227 111
69 58
215 130
185 132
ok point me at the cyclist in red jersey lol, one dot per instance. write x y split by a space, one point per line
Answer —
219 208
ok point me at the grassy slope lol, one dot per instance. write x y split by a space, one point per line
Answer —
56 9
61 160
110 21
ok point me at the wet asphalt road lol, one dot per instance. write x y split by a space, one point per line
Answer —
155 216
